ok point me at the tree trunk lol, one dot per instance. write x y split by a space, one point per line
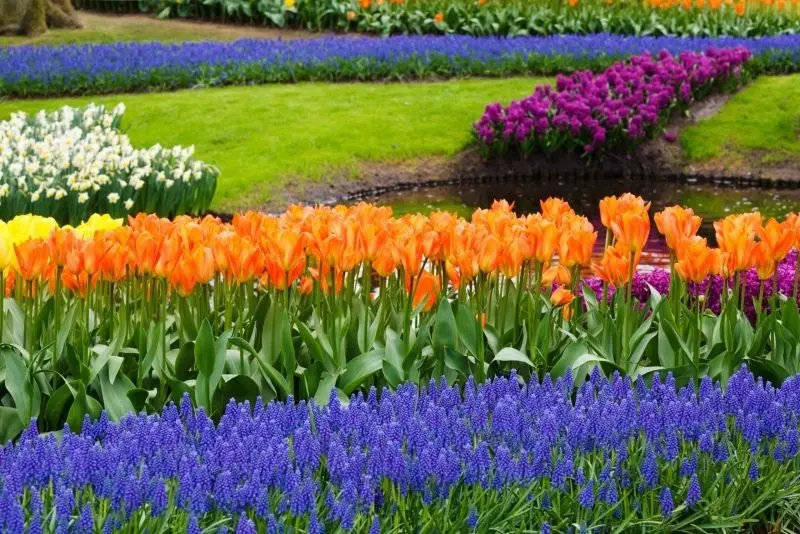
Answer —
34 17
61 14
33 22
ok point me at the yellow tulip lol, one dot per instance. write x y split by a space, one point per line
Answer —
25 227
97 223
7 256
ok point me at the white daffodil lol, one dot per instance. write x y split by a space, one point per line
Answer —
81 154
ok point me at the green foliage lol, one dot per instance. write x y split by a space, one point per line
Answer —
492 17
245 133
760 122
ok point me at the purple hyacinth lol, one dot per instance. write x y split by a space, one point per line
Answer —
416 443
472 518
607 111
245 525
119 67
694 493
586 497
665 502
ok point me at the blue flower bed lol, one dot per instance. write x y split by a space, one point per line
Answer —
603 455
104 68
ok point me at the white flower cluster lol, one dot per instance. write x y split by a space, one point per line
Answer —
81 156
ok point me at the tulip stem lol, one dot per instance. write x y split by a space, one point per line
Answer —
3 303
520 289
796 275
366 288
56 311
696 351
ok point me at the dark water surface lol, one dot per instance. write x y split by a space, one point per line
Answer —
710 201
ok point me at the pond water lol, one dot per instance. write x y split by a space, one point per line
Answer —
710 201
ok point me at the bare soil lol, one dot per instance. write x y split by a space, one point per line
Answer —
657 159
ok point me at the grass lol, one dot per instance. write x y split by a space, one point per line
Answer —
261 137
264 138
113 28
760 123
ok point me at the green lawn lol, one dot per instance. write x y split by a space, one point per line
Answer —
762 121
262 136
113 28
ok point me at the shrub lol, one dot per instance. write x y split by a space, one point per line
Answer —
75 162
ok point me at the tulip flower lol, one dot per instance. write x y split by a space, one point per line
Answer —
614 267
553 209
676 223
777 238
426 290
631 230
557 274
696 260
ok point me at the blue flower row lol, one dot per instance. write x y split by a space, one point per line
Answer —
605 454
119 67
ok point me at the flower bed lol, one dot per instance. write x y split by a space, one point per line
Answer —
322 300
499 457
92 69
75 162
612 111
491 17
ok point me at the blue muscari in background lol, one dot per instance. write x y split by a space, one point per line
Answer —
542 456
103 68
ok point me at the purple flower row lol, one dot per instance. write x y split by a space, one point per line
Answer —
712 288
118 67
611 110
611 454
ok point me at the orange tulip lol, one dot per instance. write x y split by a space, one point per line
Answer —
438 18
561 297
736 237
553 209
696 260
631 229
365 3
33 257
740 8
114 265
544 237
78 284
614 267
764 263
576 247
306 285
777 238
676 223
557 274
285 248
426 290
489 255
611 208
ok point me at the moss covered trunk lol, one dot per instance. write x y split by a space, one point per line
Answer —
34 17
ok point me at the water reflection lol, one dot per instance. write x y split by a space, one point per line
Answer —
710 201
